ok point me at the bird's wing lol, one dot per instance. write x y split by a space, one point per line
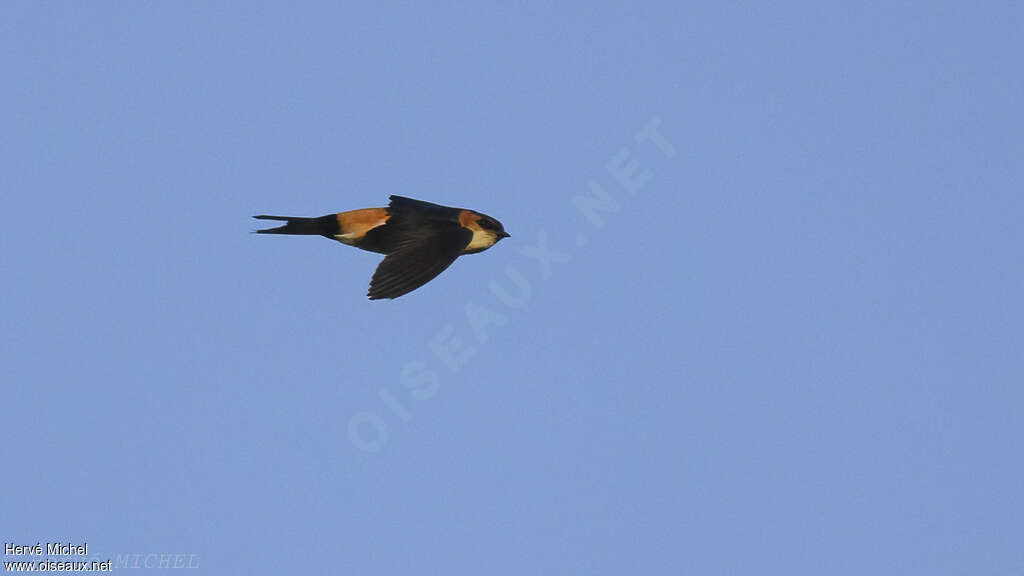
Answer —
402 206
419 254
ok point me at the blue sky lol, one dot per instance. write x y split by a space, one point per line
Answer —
788 340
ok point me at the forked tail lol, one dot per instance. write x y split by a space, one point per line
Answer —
324 225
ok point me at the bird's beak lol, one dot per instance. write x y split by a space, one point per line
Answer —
505 235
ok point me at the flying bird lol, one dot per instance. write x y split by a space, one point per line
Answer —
419 239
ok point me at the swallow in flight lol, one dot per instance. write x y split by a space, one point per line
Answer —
419 239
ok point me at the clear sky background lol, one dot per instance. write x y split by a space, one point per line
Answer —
791 344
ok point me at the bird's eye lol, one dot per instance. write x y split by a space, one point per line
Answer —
487 224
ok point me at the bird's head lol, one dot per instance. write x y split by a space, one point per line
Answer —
486 232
